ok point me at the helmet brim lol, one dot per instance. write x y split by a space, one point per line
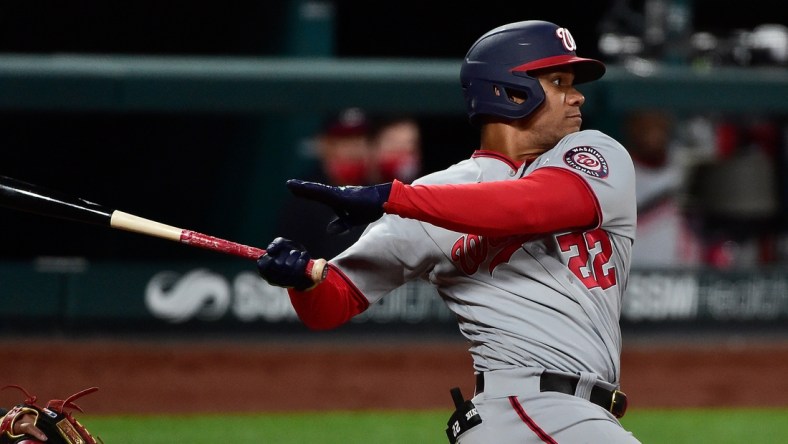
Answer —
586 70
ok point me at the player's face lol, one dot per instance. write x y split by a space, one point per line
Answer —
559 114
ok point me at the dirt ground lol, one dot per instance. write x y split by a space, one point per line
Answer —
177 376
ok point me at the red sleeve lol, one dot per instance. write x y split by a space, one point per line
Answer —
330 304
546 201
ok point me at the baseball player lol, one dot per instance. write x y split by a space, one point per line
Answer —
528 242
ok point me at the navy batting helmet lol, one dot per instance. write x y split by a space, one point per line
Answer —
501 60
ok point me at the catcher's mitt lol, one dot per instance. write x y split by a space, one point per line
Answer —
54 419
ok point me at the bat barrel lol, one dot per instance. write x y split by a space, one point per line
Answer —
24 196
31 198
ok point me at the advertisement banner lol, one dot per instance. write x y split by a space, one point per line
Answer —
228 296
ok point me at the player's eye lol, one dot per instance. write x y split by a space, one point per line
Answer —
562 80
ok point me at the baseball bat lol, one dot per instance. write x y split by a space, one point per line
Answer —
31 198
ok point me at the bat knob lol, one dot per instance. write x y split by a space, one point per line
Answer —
317 270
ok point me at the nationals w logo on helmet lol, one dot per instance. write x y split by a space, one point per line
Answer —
588 160
566 39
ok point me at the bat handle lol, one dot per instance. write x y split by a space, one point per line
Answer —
316 269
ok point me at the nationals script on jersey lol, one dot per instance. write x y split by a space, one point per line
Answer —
547 301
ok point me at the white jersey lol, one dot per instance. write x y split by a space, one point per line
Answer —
550 301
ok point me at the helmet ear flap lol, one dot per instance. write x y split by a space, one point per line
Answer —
516 97
503 99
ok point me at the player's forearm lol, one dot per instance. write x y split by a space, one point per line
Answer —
548 200
330 304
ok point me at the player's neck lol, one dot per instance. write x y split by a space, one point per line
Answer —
507 140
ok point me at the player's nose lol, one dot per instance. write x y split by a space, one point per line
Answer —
575 97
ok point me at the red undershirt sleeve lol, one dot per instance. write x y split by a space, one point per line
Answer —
330 304
547 200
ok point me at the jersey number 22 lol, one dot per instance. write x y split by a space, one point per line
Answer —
598 272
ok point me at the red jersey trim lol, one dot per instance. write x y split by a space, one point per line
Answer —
518 408
513 164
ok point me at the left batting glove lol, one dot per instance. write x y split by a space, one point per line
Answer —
284 264
353 205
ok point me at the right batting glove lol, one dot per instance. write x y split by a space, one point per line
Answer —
284 265
354 205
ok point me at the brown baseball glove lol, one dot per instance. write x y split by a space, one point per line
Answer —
54 420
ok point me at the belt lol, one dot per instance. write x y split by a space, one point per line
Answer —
614 401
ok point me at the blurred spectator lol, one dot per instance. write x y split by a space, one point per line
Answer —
396 149
343 149
344 158
736 192
665 236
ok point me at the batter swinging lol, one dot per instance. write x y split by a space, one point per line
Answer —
528 242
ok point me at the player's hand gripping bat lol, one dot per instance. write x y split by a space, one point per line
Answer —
31 198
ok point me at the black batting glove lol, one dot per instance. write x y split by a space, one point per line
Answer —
284 265
353 205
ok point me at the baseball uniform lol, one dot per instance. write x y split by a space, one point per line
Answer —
528 304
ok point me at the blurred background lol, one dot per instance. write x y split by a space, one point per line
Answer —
195 114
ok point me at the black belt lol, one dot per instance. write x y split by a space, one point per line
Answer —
613 401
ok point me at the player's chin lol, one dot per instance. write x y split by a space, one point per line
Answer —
573 125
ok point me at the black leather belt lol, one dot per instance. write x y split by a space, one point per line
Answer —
614 401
